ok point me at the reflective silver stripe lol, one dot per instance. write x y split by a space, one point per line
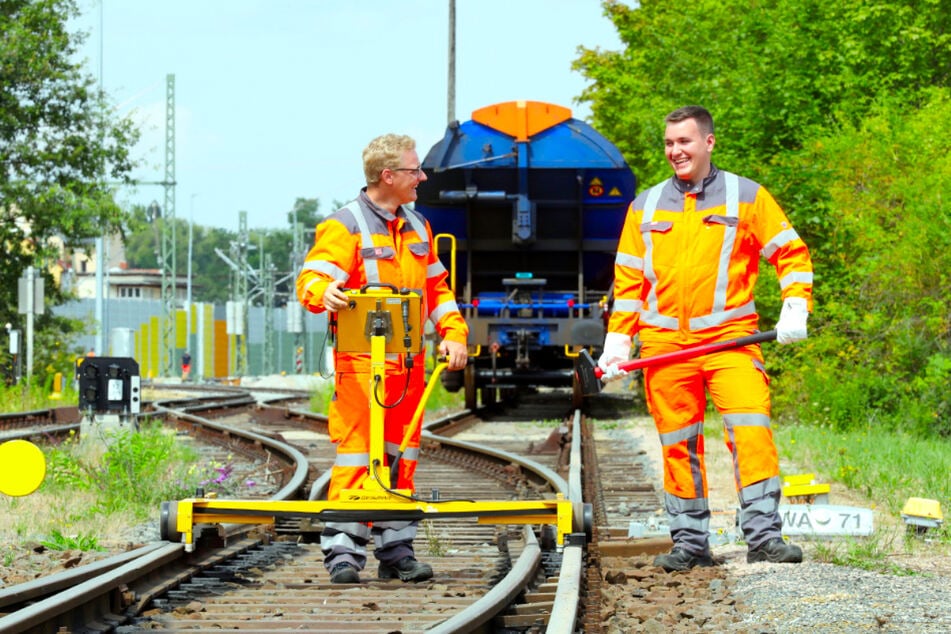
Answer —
746 420
392 448
693 436
760 489
393 532
627 305
653 318
781 239
417 223
715 319
795 278
689 522
678 505
352 460
650 206
726 249
346 529
370 267
328 268
680 435
444 309
629 261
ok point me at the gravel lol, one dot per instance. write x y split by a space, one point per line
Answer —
765 598
827 598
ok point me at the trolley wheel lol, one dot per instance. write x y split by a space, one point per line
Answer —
168 524
582 520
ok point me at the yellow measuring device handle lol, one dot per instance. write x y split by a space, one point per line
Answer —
417 418
397 312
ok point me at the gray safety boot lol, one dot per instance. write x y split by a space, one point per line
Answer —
775 551
406 569
344 572
680 559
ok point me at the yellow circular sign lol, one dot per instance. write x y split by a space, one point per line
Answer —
22 468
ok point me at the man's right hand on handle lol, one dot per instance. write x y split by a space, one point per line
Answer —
617 349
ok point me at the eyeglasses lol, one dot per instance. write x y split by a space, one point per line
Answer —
417 171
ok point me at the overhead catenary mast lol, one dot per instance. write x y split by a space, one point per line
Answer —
452 63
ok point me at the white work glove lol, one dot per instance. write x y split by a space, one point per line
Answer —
792 320
617 349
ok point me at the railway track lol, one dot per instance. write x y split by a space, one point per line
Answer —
481 568
487 577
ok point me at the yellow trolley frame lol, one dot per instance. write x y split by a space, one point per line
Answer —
389 321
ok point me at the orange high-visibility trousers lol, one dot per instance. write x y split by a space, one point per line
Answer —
349 426
739 387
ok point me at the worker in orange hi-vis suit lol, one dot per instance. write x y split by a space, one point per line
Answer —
376 239
687 263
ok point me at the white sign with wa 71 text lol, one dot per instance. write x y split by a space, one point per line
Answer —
825 520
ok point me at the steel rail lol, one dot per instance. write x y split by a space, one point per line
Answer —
564 611
119 575
64 599
565 608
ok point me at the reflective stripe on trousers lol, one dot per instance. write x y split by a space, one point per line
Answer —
676 397
347 542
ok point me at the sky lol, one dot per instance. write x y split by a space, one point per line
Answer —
276 99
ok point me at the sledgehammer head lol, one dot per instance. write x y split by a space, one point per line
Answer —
586 372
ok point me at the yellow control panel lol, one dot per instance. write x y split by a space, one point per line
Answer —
384 310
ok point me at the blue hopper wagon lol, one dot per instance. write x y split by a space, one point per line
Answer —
527 204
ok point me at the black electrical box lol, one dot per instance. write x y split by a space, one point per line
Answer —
109 385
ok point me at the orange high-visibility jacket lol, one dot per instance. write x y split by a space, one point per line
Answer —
687 262
362 243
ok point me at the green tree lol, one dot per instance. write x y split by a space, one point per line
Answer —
209 271
834 106
306 212
885 353
59 146
770 72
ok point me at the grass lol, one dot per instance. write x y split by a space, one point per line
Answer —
888 467
24 398
437 543
883 465
94 490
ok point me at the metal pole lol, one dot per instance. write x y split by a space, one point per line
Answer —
191 224
452 61
100 311
30 312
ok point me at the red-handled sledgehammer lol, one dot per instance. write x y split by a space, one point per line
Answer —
589 374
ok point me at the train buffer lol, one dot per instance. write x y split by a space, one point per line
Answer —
802 488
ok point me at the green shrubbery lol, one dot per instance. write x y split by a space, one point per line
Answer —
130 472
879 352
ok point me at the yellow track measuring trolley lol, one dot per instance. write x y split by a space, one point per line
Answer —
380 319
